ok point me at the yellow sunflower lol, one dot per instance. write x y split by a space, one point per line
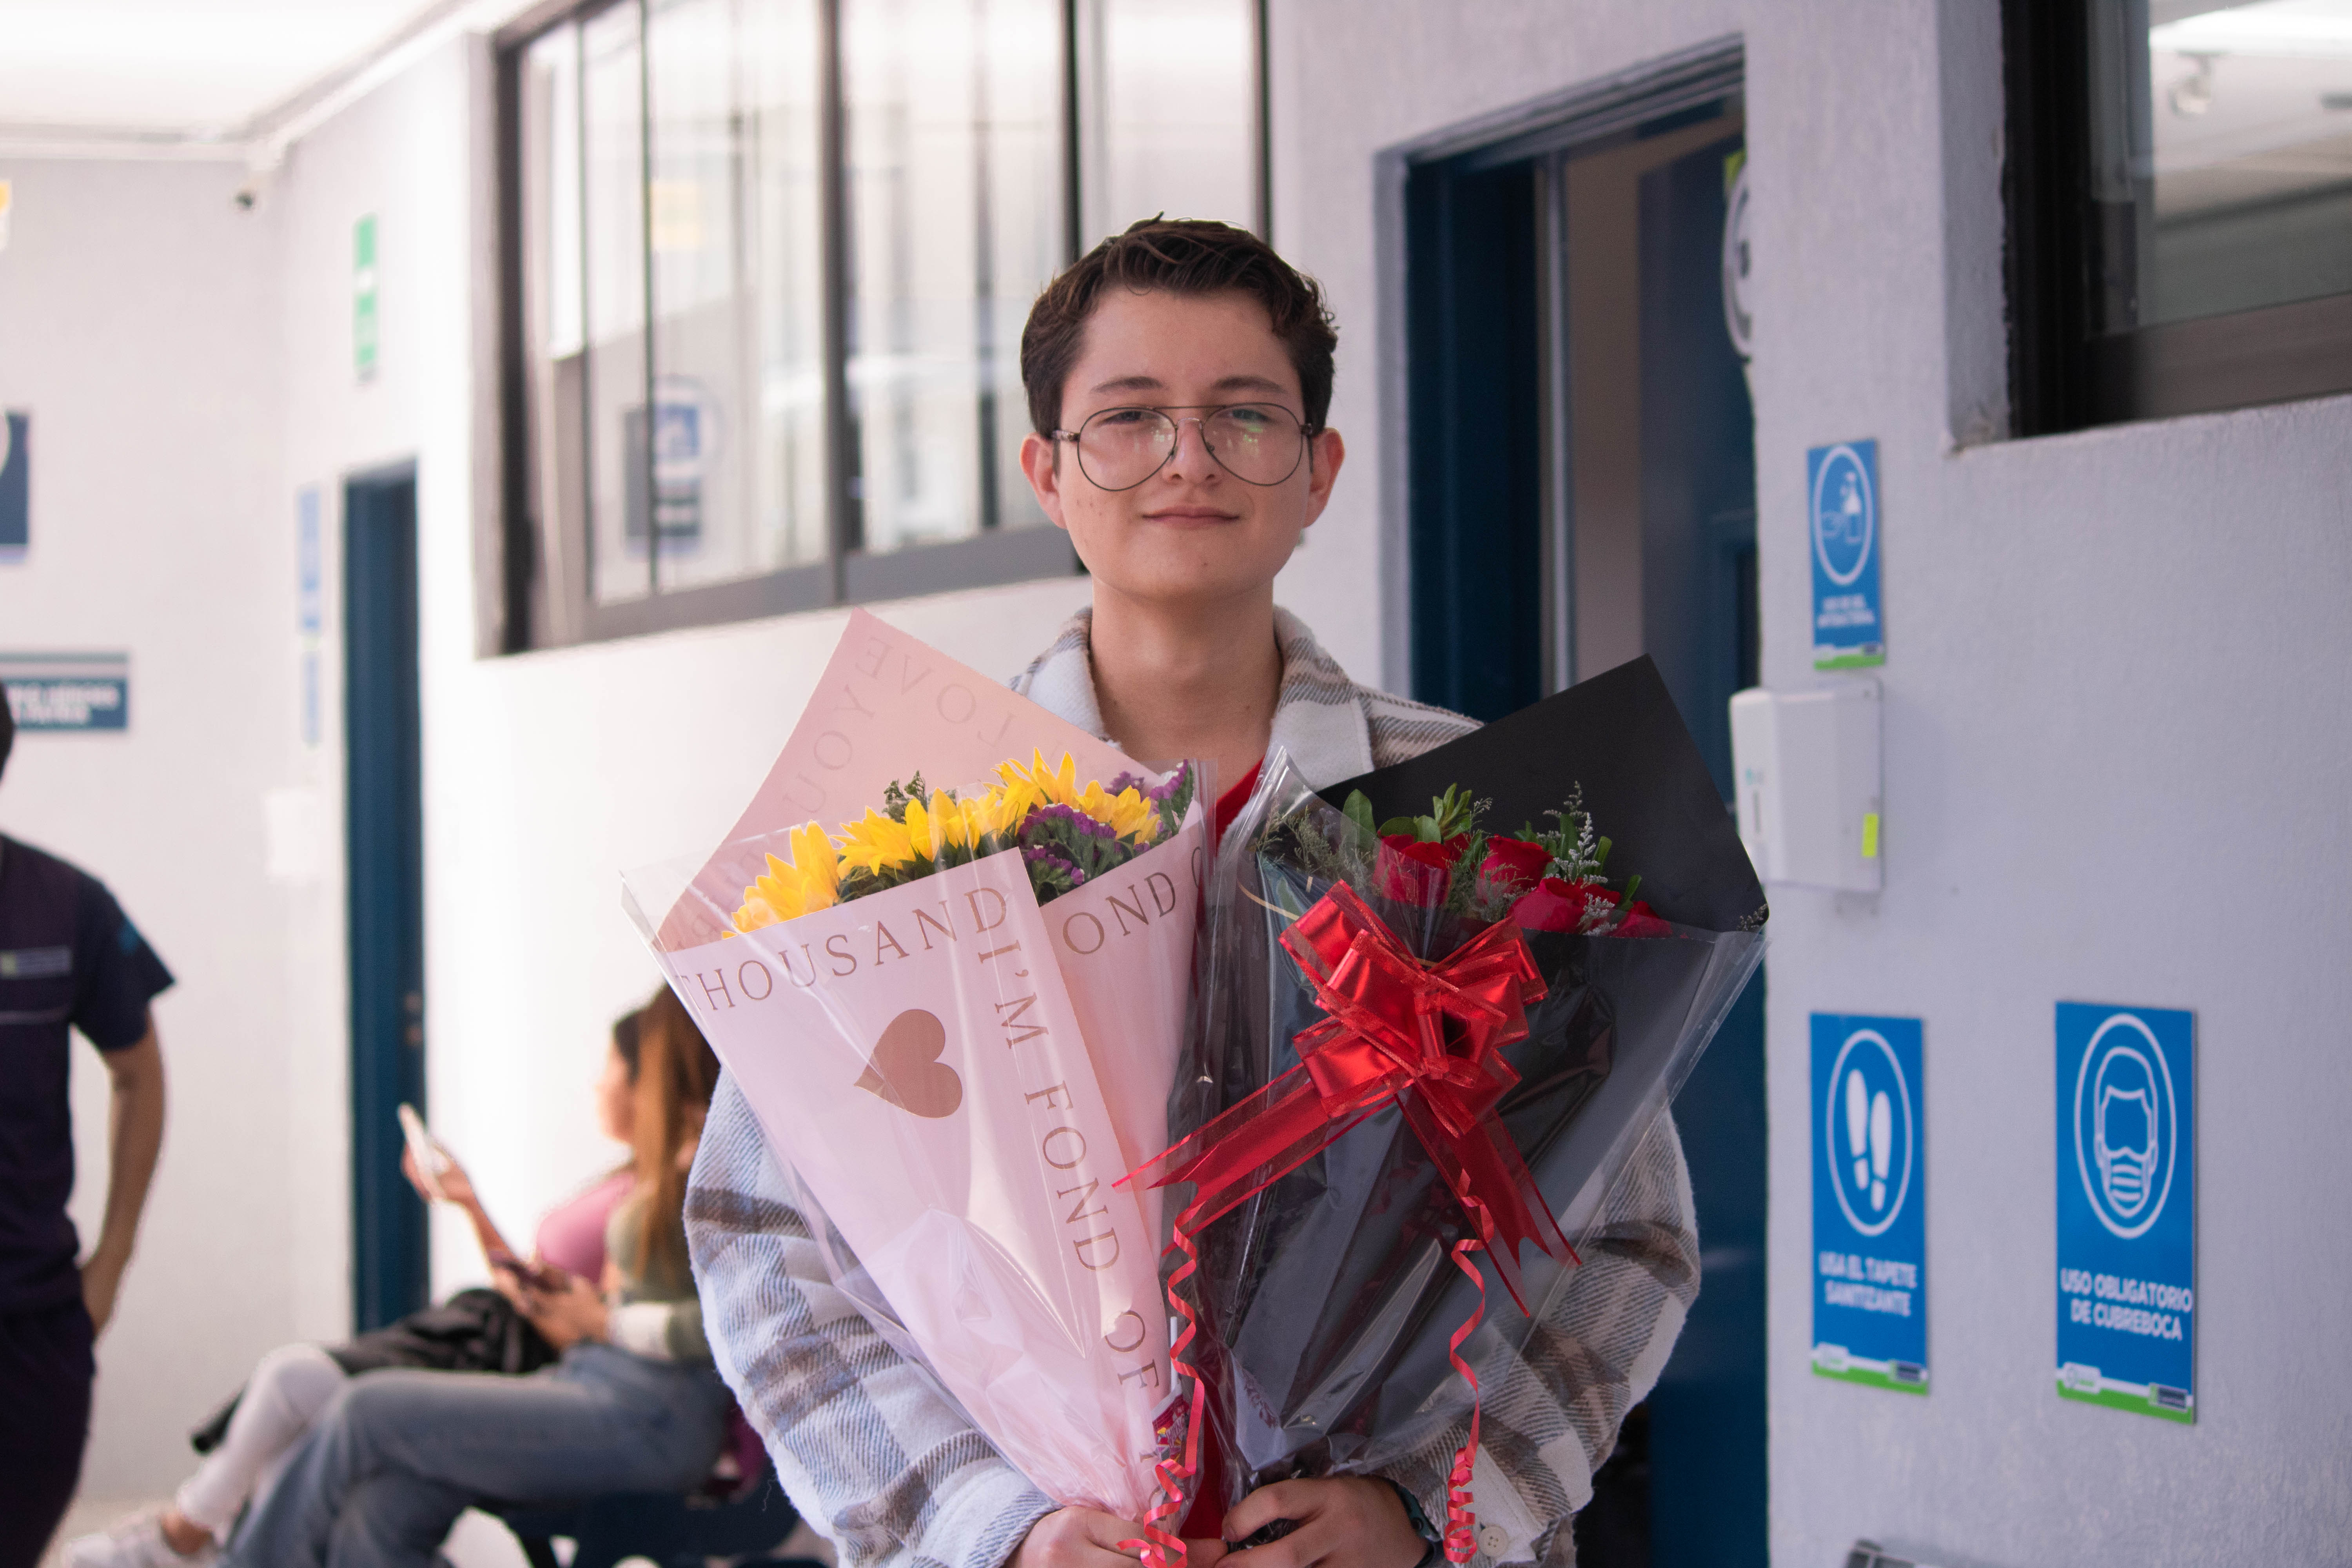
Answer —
942 824
812 880
1127 814
875 843
1053 786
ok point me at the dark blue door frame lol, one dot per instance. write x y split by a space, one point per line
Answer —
384 801
1708 1423
1484 239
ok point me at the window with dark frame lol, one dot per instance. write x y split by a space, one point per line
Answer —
2179 203
764 266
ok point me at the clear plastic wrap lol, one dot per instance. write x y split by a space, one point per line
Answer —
1397 1085
1327 1299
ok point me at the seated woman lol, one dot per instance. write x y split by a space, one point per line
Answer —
633 1406
659 1113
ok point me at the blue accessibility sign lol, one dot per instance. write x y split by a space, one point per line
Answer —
2128 1208
1870 1201
1842 515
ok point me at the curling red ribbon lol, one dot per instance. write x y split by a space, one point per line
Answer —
1461 1535
1161 1547
1395 1024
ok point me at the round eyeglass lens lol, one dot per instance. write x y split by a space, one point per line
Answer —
1118 448
1261 444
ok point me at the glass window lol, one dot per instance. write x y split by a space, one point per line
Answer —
613 247
2179 185
767 265
952 122
737 435
553 326
1172 124
2222 156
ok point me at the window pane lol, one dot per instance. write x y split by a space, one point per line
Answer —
553 325
1171 120
2222 156
952 114
738 433
614 242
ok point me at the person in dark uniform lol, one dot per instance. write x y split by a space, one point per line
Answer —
68 960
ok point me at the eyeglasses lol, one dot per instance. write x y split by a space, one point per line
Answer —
1257 443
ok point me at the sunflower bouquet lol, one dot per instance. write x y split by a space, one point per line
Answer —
1067 836
957 1013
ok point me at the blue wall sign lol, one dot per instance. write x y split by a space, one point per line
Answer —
2127 1209
1842 515
308 610
1870 1201
310 603
15 485
68 691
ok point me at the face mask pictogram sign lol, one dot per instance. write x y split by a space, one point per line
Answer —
1870 1200
2128 1208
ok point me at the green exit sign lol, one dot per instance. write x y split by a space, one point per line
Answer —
363 313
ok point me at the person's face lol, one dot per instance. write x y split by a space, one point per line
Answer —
616 1100
1192 532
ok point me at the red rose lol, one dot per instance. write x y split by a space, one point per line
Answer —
1556 905
1513 865
1414 872
1642 920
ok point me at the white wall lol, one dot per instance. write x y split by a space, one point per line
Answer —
2117 738
136 324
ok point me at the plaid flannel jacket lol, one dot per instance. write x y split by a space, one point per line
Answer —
891 1471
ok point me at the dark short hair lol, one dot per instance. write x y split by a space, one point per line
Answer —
7 729
1183 256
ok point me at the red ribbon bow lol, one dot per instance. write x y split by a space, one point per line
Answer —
1395 1025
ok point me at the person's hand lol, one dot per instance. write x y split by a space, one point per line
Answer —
566 1317
1077 1538
101 1277
1348 1521
456 1185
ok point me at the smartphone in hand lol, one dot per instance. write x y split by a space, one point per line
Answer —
431 1160
532 1276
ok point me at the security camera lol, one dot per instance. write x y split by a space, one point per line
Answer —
246 195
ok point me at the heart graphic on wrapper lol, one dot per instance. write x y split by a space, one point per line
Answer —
905 1070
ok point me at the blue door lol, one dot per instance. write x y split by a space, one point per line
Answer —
383 813
1581 454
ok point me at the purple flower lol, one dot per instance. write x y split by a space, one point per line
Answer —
1045 854
1071 816
1160 794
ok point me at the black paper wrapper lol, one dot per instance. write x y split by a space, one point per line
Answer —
1327 1302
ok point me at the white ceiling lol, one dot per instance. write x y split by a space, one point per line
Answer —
189 69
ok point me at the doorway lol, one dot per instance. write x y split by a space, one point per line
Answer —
384 813
1580 445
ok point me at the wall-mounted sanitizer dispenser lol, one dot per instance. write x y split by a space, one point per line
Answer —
1808 769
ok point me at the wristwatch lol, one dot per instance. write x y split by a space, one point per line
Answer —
1431 1539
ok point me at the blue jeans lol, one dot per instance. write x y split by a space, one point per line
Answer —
401 1453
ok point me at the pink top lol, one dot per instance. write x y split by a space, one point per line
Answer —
572 1236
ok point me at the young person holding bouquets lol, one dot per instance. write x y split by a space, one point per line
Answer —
1178 376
